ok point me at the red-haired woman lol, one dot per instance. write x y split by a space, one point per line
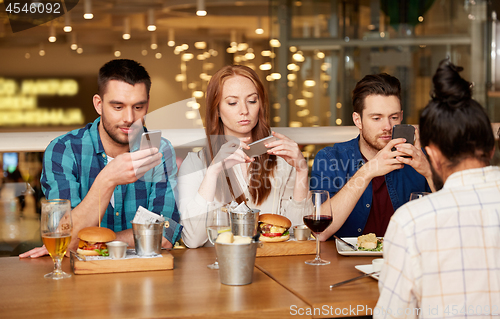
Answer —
237 111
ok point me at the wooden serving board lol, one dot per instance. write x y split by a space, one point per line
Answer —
108 265
287 248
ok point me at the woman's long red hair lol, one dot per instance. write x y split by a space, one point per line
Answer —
262 169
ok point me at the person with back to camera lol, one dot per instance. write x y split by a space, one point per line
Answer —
368 181
237 111
442 251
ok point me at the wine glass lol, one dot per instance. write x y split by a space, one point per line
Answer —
318 219
56 228
218 221
417 195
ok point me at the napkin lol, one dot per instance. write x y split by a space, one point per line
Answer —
144 216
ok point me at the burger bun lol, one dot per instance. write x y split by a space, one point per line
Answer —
274 239
97 234
87 252
275 219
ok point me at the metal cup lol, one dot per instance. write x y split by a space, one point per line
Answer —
301 232
236 263
147 238
117 249
245 224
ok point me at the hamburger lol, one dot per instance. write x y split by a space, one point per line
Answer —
274 228
93 241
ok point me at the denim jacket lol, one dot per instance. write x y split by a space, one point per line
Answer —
335 165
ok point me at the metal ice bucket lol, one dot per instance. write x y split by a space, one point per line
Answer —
147 238
236 263
245 224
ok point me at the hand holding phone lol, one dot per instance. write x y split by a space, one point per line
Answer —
258 147
405 131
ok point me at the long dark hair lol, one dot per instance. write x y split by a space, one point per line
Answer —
453 121
262 169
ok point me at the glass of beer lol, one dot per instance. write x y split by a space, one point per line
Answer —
56 228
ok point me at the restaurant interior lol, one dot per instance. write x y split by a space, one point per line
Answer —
309 53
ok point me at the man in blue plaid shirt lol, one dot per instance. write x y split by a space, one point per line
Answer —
102 172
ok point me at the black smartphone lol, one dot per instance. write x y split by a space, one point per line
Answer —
150 139
405 131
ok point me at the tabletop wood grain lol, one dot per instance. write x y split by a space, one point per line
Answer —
189 290
312 283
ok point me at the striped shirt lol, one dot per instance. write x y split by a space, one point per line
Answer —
442 252
72 162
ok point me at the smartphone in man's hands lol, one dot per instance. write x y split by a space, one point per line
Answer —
405 131
151 139
258 147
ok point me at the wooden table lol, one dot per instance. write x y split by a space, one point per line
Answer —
190 290
312 283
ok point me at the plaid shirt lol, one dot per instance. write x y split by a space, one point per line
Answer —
72 162
442 252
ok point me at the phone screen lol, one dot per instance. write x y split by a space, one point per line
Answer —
151 139
405 131
258 147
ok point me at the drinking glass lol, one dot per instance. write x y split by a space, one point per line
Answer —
318 219
218 221
55 226
417 195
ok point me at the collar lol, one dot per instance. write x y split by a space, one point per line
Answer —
473 176
95 137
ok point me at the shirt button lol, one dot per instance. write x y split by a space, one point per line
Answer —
103 155
117 214
367 205
359 230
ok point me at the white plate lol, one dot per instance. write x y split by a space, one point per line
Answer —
345 250
367 269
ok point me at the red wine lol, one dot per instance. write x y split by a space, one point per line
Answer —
317 223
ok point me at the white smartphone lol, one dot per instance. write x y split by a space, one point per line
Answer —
258 147
150 139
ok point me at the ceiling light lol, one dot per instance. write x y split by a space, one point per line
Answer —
259 29
27 55
79 50
276 76
87 9
144 52
154 42
298 57
187 57
249 56
117 53
200 45
200 8
73 46
275 43
151 20
158 55
126 28
266 53
52 33
266 66
67 22
198 94
171 37
309 83
185 46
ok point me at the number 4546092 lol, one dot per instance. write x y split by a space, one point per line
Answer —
35 7
471 310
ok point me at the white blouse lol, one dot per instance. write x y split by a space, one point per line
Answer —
193 207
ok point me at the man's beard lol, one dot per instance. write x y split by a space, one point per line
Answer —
436 179
113 134
373 143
